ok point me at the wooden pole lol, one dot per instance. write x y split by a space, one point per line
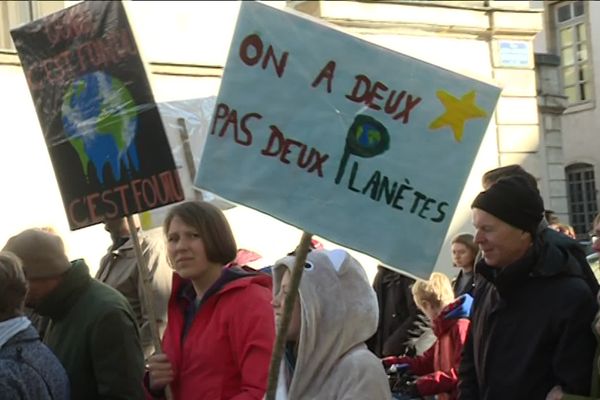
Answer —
147 299
286 317
187 149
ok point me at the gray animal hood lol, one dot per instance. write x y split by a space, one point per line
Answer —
339 313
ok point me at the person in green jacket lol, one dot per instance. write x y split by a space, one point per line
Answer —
93 331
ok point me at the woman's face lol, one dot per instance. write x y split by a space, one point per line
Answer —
293 333
186 252
462 256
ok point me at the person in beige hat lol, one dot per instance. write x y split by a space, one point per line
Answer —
44 259
93 330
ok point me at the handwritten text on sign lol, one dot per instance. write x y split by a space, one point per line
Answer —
97 112
347 140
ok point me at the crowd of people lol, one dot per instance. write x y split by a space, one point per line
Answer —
518 321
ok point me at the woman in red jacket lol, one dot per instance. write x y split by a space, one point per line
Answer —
437 368
220 330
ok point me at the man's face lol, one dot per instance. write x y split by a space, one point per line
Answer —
595 235
117 228
502 244
38 289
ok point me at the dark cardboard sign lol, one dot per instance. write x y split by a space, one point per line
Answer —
103 130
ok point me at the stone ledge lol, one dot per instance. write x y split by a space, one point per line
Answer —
546 59
186 70
8 57
11 58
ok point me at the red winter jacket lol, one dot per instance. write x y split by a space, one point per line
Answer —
437 368
227 350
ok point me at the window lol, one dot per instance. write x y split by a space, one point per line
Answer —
583 203
572 43
15 13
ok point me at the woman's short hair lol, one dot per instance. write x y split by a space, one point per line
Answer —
212 226
468 240
13 285
437 291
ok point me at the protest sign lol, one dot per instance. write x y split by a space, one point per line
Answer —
95 106
186 124
353 142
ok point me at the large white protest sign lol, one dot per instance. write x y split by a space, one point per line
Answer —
353 142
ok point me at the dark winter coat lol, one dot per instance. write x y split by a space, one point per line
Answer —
29 370
119 270
398 314
469 286
94 334
583 268
530 328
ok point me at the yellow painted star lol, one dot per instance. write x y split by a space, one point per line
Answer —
457 112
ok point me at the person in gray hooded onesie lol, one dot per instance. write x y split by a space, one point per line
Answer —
335 313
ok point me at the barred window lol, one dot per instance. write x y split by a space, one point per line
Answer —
572 40
583 203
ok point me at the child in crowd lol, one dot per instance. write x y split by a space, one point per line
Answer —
334 313
437 369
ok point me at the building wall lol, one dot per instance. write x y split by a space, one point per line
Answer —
551 105
579 123
186 56
30 195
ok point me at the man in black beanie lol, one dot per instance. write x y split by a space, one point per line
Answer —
530 323
547 235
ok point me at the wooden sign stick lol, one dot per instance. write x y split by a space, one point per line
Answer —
147 293
290 299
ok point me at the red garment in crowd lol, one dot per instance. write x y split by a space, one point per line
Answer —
227 350
437 368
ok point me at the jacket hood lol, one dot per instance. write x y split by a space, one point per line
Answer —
338 312
553 254
458 309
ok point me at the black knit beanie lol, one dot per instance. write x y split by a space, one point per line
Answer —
514 201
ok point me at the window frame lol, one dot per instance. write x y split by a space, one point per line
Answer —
15 13
582 196
587 66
